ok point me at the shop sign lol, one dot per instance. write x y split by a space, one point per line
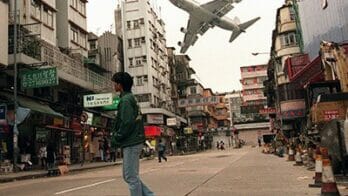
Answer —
97 100
3 111
40 78
188 130
293 114
173 122
331 114
198 101
155 119
267 111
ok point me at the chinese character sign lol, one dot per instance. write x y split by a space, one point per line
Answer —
40 78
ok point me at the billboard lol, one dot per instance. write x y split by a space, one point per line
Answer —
40 78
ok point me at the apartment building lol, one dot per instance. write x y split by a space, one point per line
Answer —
145 54
233 101
4 33
105 53
333 24
72 21
252 94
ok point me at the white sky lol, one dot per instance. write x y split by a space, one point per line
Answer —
215 60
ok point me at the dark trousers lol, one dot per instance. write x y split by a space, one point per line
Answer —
161 155
112 156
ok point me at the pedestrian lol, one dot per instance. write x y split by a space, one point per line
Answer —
101 150
129 134
161 147
217 145
112 154
51 156
43 156
222 145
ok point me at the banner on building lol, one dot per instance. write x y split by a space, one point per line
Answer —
198 101
40 78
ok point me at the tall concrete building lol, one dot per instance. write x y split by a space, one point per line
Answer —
252 94
145 54
233 101
4 33
72 21
333 23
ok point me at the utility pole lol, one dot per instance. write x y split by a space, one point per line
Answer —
15 128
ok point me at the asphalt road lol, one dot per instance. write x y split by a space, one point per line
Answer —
231 172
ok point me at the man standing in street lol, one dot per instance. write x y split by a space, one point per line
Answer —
129 134
161 150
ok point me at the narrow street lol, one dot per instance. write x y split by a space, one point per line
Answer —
221 173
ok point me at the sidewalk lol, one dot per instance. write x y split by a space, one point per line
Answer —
22 175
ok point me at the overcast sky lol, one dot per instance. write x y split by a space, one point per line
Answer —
215 60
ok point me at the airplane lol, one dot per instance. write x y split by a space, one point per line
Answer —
208 15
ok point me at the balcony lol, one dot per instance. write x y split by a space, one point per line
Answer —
253 86
254 74
73 70
28 44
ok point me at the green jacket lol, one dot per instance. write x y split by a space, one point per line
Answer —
129 128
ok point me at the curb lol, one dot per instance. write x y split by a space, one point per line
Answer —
44 173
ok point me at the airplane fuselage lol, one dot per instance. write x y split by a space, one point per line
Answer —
195 10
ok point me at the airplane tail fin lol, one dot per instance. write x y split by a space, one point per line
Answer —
242 28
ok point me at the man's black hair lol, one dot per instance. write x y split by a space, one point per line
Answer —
124 79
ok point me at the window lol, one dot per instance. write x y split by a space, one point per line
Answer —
143 58
130 43
36 9
140 81
137 42
292 14
138 61
73 3
83 40
82 7
145 78
143 97
74 35
288 40
47 16
130 62
141 21
93 45
129 25
193 90
136 24
143 40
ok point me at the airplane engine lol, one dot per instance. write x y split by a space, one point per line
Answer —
183 30
180 44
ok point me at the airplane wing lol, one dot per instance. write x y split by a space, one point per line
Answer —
195 26
219 7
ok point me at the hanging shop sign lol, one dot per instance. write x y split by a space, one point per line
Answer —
267 111
97 100
293 114
331 114
188 130
173 122
40 78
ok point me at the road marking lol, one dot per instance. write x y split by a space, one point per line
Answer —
83 187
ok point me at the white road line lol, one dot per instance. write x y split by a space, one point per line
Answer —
83 187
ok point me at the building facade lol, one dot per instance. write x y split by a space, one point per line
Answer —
333 24
72 33
4 33
233 101
252 93
145 54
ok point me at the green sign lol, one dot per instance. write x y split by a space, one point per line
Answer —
115 102
40 78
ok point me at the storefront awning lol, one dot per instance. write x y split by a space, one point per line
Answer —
31 104
59 128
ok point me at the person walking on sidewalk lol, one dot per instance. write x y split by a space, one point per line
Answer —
161 150
43 156
128 133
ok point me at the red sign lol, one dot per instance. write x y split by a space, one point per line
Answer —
151 131
330 115
293 114
268 111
